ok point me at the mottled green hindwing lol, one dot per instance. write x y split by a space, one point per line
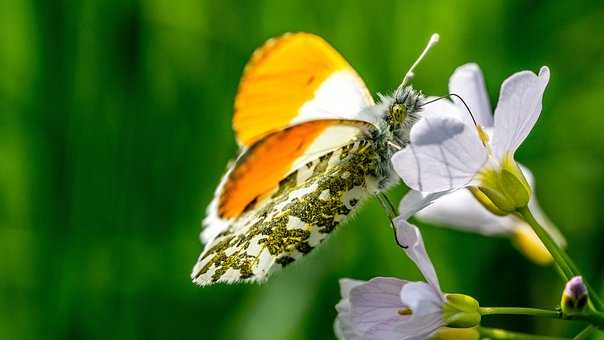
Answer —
308 205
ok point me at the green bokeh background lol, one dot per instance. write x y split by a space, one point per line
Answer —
115 129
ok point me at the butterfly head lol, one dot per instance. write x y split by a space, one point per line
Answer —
405 102
400 112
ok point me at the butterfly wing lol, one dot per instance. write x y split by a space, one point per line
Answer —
295 78
285 194
294 98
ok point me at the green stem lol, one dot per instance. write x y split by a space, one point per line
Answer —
494 333
585 333
550 244
564 261
387 205
544 313
591 316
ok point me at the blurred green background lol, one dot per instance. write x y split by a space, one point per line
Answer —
115 129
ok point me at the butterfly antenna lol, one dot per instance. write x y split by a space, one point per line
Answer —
481 133
391 213
456 96
409 75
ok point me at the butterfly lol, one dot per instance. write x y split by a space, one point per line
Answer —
313 146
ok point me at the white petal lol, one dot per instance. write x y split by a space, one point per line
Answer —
408 236
443 107
415 201
375 302
421 298
443 154
518 109
460 210
468 83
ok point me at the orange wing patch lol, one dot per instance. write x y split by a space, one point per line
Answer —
282 76
264 165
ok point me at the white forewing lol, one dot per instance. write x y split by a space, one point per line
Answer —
341 96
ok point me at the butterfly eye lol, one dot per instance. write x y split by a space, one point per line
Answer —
398 113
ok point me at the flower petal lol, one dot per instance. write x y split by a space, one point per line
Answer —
415 201
375 302
344 328
518 109
406 329
443 154
444 107
421 298
460 210
347 284
409 236
468 82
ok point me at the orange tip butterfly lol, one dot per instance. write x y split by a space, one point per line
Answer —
313 146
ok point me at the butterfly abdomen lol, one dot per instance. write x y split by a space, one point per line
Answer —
306 207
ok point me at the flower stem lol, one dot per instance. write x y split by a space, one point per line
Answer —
586 332
387 205
545 313
593 317
494 333
566 264
550 244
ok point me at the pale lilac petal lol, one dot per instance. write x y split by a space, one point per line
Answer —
344 328
518 109
409 237
443 154
347 284
375 302
421 298
406 329
468 82
460 210
415 201
420 328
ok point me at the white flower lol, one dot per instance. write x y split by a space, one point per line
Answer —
447 152
390 308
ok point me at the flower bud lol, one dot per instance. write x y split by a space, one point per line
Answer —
504 189
574 297
461 311
448 333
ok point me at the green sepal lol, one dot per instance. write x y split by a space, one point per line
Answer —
461 311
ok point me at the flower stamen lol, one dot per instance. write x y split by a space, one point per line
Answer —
405 311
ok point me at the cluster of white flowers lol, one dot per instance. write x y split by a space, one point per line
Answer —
462 174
